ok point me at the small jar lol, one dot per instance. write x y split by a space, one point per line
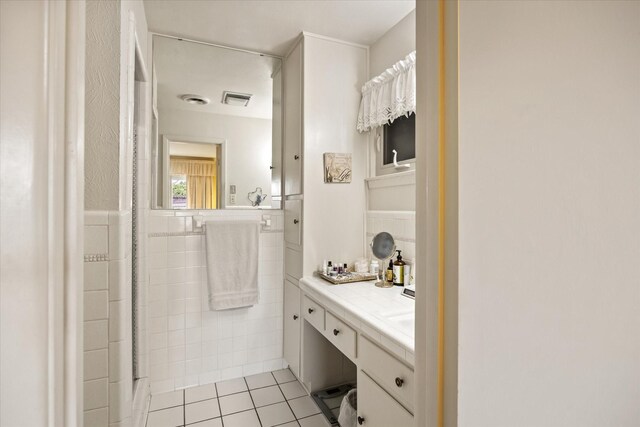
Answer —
374 267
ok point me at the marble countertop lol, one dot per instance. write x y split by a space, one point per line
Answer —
382 314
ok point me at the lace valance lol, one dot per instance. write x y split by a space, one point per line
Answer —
389 96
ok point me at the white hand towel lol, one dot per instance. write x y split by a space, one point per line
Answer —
232 249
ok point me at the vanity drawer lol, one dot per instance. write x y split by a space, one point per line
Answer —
396 377
313 313
341 335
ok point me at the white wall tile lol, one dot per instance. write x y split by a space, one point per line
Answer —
96 239
203 345
176 244
176 225
120 401
96 417
96 218
96 394
119 320
118 272
194 243
96 276
157 245
158 224
96 364
96 305
96 334
118 361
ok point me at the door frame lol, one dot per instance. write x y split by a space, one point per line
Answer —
221 164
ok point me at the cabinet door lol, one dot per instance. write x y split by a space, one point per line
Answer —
376 408
293 122
292 321
293 221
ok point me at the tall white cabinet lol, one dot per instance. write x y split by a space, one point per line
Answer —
322 82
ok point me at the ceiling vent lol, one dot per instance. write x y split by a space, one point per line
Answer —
194 99
235 98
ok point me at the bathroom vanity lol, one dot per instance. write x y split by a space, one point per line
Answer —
354 333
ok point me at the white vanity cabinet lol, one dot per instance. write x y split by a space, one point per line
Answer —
385 376
376 407
292 322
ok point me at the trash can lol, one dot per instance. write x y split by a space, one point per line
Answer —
349 409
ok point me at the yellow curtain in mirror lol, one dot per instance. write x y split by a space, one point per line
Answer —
201 181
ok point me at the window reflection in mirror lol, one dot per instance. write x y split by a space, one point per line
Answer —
216 116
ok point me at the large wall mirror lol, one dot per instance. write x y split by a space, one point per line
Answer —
217 140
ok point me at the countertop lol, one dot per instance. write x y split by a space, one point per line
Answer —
382 314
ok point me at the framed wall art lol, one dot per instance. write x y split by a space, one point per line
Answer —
337 168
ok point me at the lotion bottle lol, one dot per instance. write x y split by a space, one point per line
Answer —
398 270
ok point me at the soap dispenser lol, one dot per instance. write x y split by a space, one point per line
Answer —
398 270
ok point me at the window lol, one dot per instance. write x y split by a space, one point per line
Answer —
400 136
178 191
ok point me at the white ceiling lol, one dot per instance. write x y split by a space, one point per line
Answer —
270 26
184 67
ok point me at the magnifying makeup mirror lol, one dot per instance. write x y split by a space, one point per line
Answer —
383 247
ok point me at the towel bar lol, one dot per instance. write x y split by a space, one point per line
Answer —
198 222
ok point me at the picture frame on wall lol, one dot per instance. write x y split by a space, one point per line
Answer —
337 168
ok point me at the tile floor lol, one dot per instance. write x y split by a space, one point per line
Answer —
263 400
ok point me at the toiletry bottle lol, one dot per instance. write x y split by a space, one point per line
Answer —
345 269
373 268
329 268
390 272
398 270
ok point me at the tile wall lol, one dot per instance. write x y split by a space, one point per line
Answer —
107 318
400 224
189 344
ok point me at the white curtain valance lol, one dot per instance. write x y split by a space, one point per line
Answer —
389 96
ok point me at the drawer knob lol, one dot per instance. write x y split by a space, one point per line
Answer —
311 310
296 157
295 221
360 420
336 332
399 381
295 317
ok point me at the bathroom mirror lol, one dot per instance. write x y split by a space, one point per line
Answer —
217 127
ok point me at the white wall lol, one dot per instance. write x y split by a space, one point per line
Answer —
248 146
102 97
333 223
549 213
393 46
